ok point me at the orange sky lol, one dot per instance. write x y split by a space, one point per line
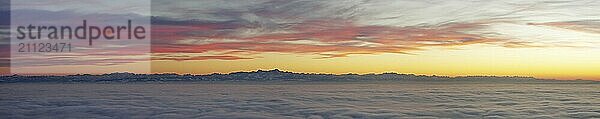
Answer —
537 62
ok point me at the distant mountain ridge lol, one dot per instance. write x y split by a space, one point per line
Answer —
260 75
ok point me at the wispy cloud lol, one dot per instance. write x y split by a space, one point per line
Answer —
334 29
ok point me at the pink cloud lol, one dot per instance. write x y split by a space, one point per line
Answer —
328 39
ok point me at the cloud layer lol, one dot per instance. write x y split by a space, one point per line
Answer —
298 100
338 29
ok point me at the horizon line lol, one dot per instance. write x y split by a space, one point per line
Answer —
277 69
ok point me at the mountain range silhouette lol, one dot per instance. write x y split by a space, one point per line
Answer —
261 75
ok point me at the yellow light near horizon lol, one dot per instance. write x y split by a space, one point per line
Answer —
560 63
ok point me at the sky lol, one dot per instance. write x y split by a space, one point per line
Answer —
541 38
79 56
557 39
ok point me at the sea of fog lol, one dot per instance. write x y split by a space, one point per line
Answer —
314 100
